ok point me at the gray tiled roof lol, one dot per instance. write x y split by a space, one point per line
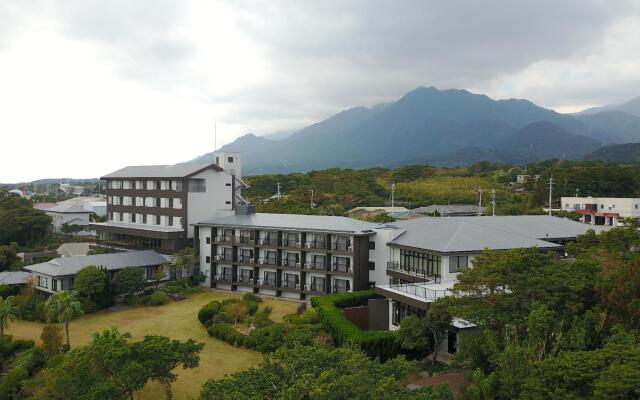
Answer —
68 208
13 277
470 234
323 223
159 171
449 208
63 266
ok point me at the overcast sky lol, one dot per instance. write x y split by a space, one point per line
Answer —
89 86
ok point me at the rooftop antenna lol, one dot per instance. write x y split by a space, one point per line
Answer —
393 192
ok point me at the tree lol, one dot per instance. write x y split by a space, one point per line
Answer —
185 261
8 256
161 273
129 280
111 366
63 307
237 311
437 321
20 222
321 372
8 312
425 334
90 281
51 338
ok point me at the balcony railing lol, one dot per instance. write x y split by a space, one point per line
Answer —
223 239
341 246
223 257
223 278
291 263
267 261
421 291
418 273
268 241
315 244
245 279
344 268
245 259
339 289
246 240
266 282
290 285
291 243
317 265
315 287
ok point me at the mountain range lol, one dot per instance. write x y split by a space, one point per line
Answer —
440 127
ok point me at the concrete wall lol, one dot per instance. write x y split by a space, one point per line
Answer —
205 205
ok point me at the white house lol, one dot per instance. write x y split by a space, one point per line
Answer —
603 210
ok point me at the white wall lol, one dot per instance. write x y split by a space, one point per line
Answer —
205 205
382 254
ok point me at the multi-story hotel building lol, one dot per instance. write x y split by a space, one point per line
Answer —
287 255
155 207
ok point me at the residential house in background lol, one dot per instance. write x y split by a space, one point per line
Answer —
69 214
59 273
155 207
610 211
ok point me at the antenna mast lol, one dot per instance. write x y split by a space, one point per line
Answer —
551 182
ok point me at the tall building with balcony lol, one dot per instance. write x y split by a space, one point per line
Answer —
610 211
155 207
295 256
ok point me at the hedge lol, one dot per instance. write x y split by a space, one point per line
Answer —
380 344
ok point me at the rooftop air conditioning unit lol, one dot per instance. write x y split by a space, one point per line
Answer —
307 245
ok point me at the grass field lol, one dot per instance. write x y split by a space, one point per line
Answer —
177 320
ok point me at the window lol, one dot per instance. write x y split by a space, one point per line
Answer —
133 217
424 264
54 285
208 259
458 263
227 202
208 240
372 245
151 185
197 185
177 203
227 184
43 282
157 220
230 160
372 265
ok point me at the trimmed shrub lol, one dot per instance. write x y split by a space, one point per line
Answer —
88 305
31 360
20 345
250 297
158 298
226 332
268 339
208 311
382 344
261 318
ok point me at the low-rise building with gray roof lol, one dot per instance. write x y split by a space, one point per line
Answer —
58 274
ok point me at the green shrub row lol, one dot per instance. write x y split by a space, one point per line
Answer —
380 344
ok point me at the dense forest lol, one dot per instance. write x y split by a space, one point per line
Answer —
337 190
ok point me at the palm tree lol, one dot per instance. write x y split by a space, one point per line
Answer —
62 307
8 312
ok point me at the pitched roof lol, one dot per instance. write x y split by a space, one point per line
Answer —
472 234
63 208
161 171
13 277
295 222
450 208
73 249
63 266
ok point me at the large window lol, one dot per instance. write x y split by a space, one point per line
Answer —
458 263
420 263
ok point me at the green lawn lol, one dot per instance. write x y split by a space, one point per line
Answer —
177 320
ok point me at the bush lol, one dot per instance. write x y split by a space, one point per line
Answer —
268 339
30 306
226 332
10 385
249 297
382 344
88 305
261 318
133 300
208 311
31 360
19 345
158 298
9 290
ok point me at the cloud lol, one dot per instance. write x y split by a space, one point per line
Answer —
152 76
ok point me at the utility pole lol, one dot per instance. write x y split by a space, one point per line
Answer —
312 203
493 201
551 181
393 192
480 190
278 195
